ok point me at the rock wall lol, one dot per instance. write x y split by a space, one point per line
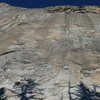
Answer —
49 54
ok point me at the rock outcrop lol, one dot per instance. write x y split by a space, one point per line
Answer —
50 53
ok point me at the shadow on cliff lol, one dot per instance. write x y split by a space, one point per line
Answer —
2 94
84 93
28 90
24 90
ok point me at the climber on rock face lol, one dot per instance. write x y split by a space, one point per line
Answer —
17 84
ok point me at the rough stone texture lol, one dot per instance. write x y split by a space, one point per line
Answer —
55 47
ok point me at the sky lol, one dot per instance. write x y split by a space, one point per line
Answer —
46 3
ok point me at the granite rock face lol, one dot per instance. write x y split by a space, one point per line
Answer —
50 53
